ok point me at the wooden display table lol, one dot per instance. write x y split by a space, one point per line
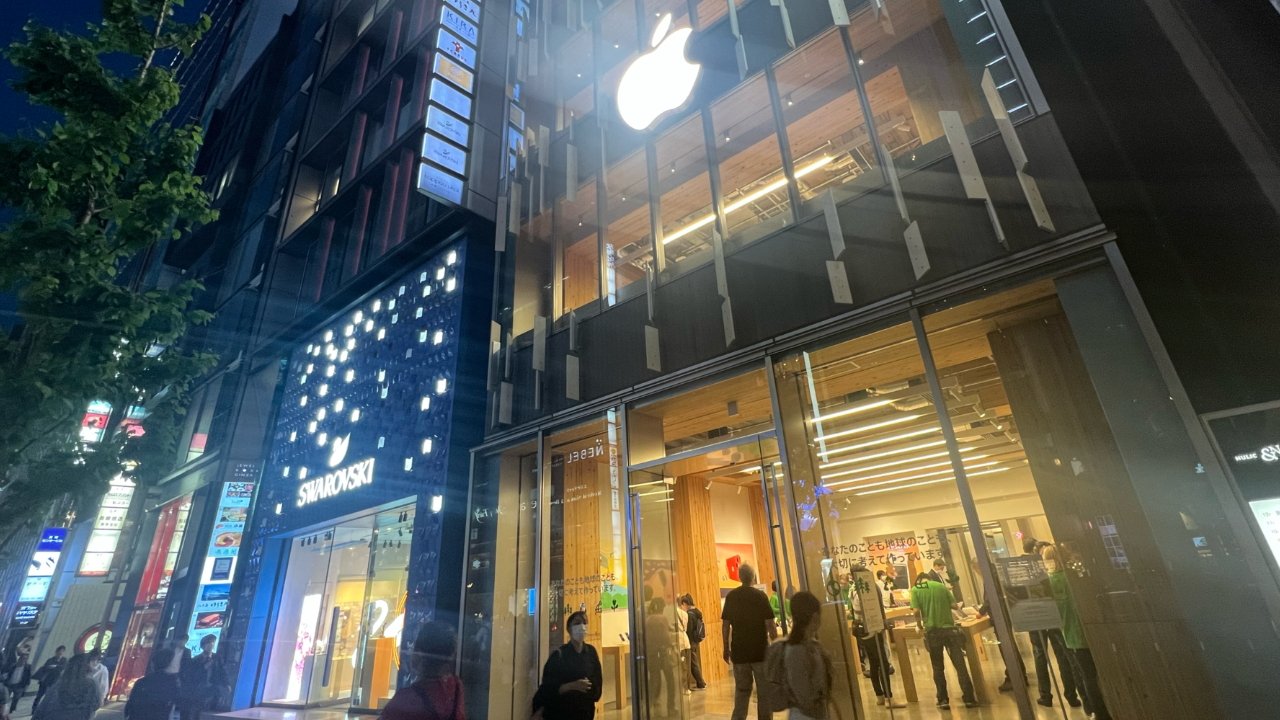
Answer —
618 657
973 630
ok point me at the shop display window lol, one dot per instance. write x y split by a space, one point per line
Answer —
753 186
737 406
684 187
628 235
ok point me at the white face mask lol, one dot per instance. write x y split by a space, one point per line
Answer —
578 633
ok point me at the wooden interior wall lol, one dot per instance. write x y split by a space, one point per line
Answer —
696 571
1134 628
582 540
760 536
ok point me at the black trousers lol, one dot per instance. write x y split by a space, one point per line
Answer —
695 664
877 656
15 694
1087 675
950 641
1040 642
39 696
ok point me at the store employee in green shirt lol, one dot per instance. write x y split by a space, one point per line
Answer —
933 602
1073 633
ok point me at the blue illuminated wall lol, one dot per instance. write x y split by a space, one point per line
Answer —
385 377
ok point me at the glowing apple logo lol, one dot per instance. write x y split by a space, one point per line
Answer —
658 81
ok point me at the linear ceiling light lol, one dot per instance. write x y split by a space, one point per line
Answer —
861 408
859 429
922 476
899 471
886 453
881 441
891 463
746 200
933 482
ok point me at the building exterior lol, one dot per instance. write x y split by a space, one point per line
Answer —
842 288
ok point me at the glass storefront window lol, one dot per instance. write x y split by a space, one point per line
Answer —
879 511
710 11
340 621
684 187
628 237
830 145
577 236
575 66
753 185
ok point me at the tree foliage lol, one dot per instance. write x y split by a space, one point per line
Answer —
88 204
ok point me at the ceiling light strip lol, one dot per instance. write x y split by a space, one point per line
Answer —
992 471
858 430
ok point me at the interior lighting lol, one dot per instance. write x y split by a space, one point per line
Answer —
932 482
881 441
853 410
891 463
886 453
858 430
746 199
891 473
923 476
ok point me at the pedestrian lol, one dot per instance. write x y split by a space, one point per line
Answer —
746 630
101 678
661 656
4 702
75 696
933 603
181 653
683 642
1042 640
872 645
154 696
202 680
1082 666
697 631
436 692
48 674
572 679
16 679
808 665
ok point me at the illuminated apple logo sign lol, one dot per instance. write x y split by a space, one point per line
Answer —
659 80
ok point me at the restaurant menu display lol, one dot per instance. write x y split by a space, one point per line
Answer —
220 562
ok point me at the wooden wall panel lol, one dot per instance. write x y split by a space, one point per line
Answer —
696 571
760 536
582 540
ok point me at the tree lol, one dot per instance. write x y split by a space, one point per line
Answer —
89 203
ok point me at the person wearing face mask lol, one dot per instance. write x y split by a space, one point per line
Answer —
572 679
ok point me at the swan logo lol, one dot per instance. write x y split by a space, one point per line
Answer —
339 451
659 80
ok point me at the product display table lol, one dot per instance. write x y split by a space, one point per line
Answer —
617 658
973 630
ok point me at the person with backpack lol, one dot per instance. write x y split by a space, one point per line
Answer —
798 669
203 681
48 674
746 630
697 632
436 692
154 696
572 679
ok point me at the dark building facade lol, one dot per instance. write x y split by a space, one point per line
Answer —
838 289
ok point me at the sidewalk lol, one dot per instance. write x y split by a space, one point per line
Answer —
110 711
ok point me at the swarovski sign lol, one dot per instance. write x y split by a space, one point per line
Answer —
352 477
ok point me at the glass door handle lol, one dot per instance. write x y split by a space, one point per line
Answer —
328 657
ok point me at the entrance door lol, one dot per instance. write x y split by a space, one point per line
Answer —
697 519
333 671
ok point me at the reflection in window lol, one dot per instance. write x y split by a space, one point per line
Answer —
628 238
756 199
574 70
914 68
685 187
830 145
576 235
709 11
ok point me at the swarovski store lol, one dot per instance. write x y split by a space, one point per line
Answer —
355 514
815 288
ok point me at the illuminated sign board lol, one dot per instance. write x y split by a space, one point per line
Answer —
52 539
39 578
334 483
26 615
447 144
107 528
220 561
35 589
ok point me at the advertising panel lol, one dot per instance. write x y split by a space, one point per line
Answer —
443 169
220 561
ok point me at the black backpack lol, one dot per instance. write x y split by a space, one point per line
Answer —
696 629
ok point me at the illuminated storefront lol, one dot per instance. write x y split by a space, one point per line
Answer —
355 512
816 287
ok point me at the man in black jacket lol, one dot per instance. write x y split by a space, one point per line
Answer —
48 674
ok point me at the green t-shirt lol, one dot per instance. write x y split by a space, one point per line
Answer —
1072 628
934 601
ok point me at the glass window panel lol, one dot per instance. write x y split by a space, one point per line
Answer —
532 272
575 63
913 68
859 420
685 193
830 145
656 9
724 409
756 200
628 238
709 11
576 233
618 47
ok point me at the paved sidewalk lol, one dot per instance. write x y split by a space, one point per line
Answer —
110 711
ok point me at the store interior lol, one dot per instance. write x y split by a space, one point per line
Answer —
341 615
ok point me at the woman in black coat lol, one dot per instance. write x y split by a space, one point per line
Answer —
572 679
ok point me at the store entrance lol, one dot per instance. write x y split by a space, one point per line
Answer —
340 617
699 518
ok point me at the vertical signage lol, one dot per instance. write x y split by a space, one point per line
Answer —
219 563
107 527
35 587
446 149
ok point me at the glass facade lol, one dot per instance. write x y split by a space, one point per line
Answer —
962 444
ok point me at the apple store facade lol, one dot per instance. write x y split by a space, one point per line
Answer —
816 287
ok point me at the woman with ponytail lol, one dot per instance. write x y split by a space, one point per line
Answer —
808 665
